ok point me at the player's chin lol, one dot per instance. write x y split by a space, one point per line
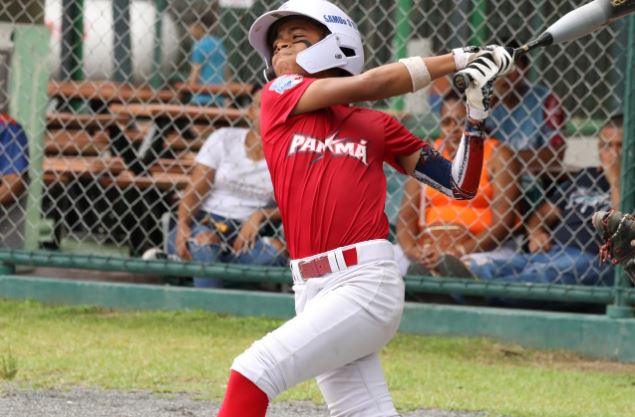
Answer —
287 67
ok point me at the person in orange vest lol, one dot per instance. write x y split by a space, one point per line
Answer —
431 225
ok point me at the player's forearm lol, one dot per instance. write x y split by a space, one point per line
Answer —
460 178
394 79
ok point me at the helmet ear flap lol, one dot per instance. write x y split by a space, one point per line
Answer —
269 74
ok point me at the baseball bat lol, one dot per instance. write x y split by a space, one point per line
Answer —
576 23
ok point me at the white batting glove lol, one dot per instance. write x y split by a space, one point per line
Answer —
503 56
463 56
482 72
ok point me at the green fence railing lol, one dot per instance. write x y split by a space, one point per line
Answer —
243 273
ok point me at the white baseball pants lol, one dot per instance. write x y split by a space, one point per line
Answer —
342 320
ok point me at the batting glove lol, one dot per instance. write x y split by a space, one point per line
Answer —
463 56
503 56
482 73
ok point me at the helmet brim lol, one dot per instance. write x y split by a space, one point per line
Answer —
259 31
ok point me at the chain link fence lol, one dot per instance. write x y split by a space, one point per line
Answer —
135 89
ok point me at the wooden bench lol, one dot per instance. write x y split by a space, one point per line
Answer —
80 134
164 181
75 142
67 120
173 140
179 111
62 169
227 89
183 163
109 91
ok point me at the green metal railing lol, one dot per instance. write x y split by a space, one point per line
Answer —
244 273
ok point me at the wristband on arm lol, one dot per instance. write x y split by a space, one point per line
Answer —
418 72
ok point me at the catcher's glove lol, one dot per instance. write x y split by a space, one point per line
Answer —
617 231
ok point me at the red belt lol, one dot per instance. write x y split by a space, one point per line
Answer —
320 266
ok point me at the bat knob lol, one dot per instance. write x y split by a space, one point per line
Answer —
461 81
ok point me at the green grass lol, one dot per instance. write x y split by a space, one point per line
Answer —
61 347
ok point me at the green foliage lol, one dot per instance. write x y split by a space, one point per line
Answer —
192 352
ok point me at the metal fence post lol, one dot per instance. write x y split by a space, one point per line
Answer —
400 40
620 308
477 22
28 98
72 39
156 80
122 43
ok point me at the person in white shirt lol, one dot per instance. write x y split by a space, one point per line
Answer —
228 201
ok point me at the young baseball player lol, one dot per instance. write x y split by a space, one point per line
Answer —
326 162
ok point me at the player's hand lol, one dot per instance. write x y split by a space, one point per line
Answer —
503 56
183 234
482 72
463 56
247 234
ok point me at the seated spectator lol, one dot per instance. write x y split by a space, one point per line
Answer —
563 245
208 60
529 119
228 202
431 225
14 165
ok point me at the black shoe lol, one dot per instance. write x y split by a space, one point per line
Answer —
451 266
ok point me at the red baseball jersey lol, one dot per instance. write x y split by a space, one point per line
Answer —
327 167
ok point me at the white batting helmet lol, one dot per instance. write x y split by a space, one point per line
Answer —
341 48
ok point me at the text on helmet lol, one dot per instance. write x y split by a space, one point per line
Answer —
332 18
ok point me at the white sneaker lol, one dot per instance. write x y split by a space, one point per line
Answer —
158 254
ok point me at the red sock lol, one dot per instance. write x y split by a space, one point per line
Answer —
243 398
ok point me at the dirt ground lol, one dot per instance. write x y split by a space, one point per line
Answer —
84 402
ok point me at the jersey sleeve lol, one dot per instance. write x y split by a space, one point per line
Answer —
398 141
279 98
211 152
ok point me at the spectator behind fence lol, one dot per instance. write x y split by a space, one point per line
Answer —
430 224
208 59
228 202
14 164
563 245
530 119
